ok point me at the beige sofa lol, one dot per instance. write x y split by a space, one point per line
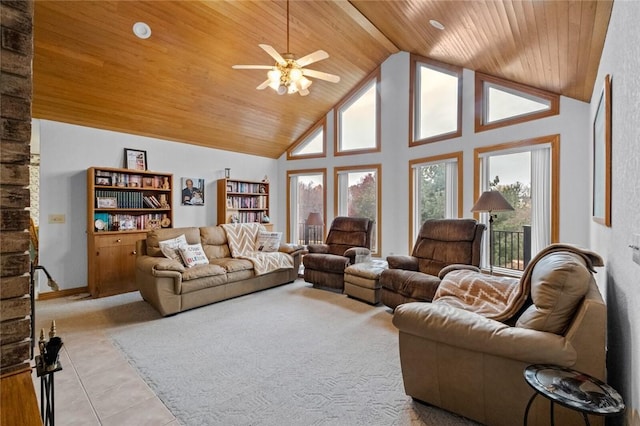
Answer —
472 365
171 287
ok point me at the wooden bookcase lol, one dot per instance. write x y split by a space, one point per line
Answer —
245 200
122 205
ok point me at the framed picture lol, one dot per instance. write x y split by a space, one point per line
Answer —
103 180
602 156
192 192
135 159
107 202
148 182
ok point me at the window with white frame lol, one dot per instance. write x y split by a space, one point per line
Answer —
357 120
526 174
436 101
307 200
358 195
436 185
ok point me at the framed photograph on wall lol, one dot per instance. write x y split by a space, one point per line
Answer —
602 156
135 159
192 191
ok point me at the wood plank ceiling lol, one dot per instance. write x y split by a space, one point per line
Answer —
89 68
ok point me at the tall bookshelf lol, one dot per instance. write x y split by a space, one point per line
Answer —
244 201
122 206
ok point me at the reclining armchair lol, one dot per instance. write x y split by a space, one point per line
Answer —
348 242
466 352
440 243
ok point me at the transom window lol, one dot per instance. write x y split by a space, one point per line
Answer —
357 195
502 103
310 145
358 119
436 107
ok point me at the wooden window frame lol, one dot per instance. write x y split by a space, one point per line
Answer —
291 173
458 155
320 124
355 168
413 75
554 142
480 101
348 100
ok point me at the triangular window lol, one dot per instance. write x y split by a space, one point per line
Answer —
504 103
310 145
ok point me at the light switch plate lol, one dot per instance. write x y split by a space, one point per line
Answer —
57 218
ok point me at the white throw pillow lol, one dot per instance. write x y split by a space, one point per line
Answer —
193 255
268 241
170 248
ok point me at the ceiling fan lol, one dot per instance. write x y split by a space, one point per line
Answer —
288 75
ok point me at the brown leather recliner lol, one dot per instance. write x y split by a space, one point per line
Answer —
348 241
440 243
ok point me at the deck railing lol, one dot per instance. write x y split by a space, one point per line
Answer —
512 249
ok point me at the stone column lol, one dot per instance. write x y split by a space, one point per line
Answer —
16 53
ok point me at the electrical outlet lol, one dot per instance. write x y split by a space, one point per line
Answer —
57 218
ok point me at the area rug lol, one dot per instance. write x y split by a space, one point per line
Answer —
291 355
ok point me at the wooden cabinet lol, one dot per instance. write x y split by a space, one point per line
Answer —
243 201
122 205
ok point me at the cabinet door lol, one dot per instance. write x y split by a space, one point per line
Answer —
115 264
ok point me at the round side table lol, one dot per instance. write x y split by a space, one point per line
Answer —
572 389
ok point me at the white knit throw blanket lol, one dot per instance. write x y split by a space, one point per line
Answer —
242 237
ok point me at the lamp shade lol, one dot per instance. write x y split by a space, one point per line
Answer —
315 219
491 201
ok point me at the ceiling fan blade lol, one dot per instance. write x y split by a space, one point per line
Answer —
251 67
263 85
316 56
273 53
321 75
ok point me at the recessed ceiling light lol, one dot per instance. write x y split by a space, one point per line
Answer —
436 24
141 30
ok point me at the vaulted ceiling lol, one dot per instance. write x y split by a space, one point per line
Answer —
90 69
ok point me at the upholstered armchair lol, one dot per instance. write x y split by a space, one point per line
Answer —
440 243
348 242
466 352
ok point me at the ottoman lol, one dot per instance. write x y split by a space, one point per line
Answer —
362 280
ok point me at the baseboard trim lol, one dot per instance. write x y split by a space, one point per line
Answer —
62 293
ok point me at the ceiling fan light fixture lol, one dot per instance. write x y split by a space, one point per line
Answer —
274 76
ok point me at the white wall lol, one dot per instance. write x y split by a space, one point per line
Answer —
68 150
572 124
621 59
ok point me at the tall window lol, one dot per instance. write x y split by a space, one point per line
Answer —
311 144
502 103
358 119
436 190
436 107
357 195
526 173
306 198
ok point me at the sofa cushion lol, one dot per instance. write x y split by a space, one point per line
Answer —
154 237
199 271
171 248
231 264
214 242
559 282
411 284
192 255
